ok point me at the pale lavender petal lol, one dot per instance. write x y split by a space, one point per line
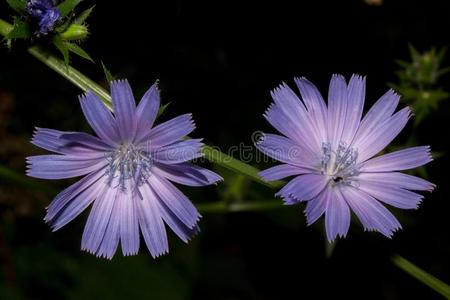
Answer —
86 141
315 104
337 216
303 187
187 174
98 220
295 112
405 159
73 205
169 132
65 197
390 194
100 118
179 152
381 111
124 108
372 214
147 110
337 108
175 200
184 232
50 139
382 135
151 222
397 179
110 240
55 166
355 104
129 227
285 150
282 171
317 206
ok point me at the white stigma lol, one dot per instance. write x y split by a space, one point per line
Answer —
128 162
339 164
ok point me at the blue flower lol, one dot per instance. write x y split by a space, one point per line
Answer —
45 13
330 151
129 168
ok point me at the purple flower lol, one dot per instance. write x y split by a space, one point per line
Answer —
330 150
45 13
129 168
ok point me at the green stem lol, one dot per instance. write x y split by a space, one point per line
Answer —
224 160
5 27
71 74
426 278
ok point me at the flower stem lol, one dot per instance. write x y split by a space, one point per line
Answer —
426 278
226 207
5 27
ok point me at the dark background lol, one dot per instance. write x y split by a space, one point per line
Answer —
219 60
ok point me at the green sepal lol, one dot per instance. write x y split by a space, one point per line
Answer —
74 48
21 30
83 16
67 6
18 5
107 73
62 47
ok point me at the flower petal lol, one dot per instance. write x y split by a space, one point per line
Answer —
337 109
72 204
95 228
110 241
124 108
391 194
128 216
65 197
54 166
179 152
405 159
151 222
315 104
317 206
397 179
285 150
100 118
356 93
292 110
187 174
382 135
85 141
178 203
147 110
169 132
372 214
337 216
381 111
282 171
303 187
51 140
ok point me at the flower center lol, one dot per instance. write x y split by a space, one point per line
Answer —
340 164
128 162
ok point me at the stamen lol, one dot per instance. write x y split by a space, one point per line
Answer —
128 162
340 165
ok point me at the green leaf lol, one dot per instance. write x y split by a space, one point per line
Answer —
21 30
74 48
107 73
18 5
424 277
83 16
62 47
67 6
